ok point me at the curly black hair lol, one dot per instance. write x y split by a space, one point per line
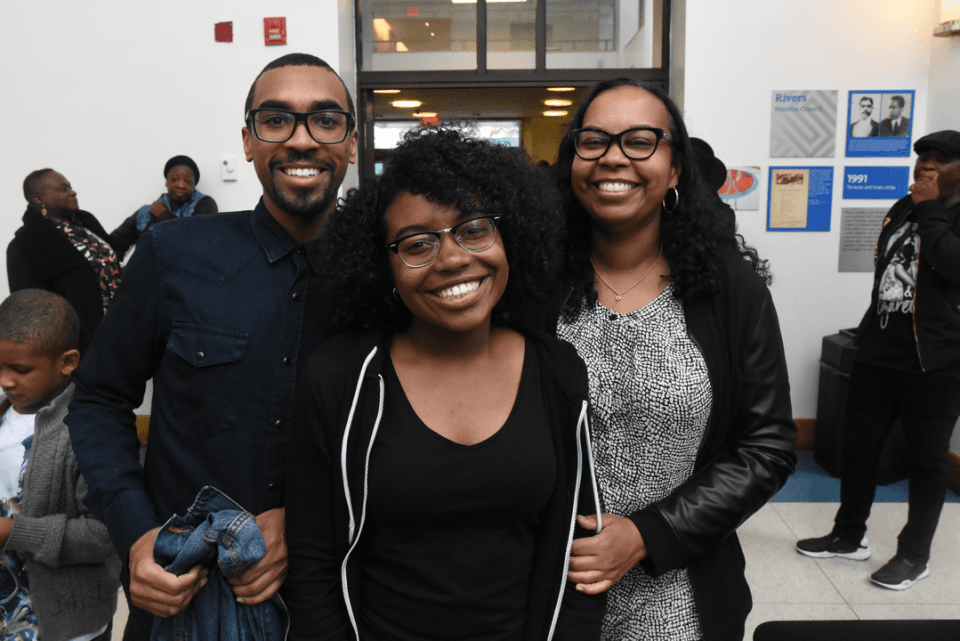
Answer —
692 233
448 167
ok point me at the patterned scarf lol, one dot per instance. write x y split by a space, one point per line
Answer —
97 252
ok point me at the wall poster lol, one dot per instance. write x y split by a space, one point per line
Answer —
859 230
799 198
880 124
742 189
875 183
803 124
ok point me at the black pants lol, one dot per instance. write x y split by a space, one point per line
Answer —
928 405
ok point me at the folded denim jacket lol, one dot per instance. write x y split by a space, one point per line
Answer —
221 536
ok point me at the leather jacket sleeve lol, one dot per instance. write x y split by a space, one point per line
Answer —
939 239
755 459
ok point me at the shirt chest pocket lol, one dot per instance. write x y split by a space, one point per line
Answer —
207 381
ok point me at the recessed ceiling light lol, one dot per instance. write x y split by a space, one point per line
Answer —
386 91
559 112
406 104
381 30
558 102
402 48
425 114
561 88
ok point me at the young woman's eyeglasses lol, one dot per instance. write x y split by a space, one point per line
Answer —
422 248
636 143
327 127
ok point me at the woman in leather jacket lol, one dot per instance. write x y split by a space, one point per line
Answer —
690 400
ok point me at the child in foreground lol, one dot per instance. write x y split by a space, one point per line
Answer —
58 569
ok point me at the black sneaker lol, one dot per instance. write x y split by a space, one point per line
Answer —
900 573
832 545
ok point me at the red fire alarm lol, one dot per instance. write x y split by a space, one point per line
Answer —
274 31
223 32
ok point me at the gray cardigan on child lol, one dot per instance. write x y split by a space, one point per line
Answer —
71 564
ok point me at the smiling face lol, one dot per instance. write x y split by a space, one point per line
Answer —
300 177
623 195
180 184
29 377
457 292
55 192
942 168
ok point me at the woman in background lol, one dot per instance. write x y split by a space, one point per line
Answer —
181 200
438 460
688 384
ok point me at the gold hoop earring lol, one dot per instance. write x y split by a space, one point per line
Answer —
676 201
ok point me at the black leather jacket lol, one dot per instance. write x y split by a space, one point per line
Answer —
936 304
748 451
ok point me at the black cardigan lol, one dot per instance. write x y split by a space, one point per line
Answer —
41 257
318 513
748 450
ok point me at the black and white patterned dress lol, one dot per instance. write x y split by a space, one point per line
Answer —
651 398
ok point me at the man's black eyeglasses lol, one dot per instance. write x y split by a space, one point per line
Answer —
327 126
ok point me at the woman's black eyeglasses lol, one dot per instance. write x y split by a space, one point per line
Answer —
636 143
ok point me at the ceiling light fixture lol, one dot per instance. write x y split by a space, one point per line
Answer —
556 113
381 30
561 88
558 102
386 91
425 114
406 104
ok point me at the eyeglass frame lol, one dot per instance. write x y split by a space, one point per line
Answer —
395 245
660 133
298 117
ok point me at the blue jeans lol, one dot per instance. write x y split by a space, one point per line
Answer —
221 536
928 405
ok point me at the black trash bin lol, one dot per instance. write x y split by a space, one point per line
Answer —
836 361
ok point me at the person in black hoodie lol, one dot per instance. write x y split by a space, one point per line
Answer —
62 249
438 460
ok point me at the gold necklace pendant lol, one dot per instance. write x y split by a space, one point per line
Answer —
620 295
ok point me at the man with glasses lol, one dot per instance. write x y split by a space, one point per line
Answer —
222 312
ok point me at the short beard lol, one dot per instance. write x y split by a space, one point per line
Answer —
301 206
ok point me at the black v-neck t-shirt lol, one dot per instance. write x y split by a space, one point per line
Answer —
451 530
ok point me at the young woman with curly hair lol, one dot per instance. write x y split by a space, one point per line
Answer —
688 384
438 460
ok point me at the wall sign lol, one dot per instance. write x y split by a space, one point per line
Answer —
875 183
799 198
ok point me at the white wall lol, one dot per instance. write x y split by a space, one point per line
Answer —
737 53
106 91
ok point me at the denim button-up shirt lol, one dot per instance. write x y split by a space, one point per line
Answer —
220 311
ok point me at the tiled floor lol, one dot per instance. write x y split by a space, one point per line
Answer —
789 586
